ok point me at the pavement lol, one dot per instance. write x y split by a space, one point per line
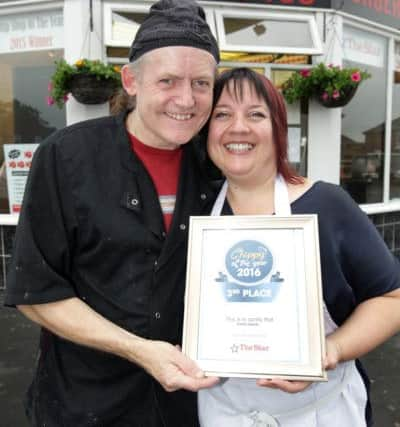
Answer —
18 350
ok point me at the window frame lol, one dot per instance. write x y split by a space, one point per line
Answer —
110 7
387 204
11 8
317 48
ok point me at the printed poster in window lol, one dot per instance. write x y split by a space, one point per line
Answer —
18 159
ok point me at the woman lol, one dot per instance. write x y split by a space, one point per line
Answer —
247 141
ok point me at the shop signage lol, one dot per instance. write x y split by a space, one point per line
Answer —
386 12
18 159
304 3
31 31
363 47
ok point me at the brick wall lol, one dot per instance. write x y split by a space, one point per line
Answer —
6 242
388 225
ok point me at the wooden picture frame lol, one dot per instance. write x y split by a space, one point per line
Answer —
253 302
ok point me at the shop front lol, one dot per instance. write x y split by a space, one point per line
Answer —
356 146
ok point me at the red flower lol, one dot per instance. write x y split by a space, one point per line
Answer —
305 73
325 96
356 76
50 100
335 94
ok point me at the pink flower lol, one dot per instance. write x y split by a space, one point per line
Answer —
356 76
335 94
325 96
305 73
65 98
50 86
49 100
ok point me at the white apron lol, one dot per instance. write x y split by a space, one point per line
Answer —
239 402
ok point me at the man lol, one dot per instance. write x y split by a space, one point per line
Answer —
99 258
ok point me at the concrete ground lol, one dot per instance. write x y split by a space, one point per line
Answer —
19 336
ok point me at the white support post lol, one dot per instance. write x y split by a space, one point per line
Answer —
324 136
80 42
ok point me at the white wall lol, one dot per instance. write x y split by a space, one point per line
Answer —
80 42
324 143
324 126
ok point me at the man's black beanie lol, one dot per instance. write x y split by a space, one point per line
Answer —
174 23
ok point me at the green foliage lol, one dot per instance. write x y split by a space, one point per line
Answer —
322 80
59 86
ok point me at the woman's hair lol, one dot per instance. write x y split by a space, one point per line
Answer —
233 80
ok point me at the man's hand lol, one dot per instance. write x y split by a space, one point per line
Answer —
75 321
171 368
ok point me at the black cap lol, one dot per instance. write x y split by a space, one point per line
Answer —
174 23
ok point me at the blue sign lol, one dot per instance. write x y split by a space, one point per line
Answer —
249 262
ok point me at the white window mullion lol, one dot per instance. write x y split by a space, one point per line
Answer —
388 124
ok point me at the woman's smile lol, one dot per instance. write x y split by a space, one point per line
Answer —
239 147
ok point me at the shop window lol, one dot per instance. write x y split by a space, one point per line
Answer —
395 136
267 32
363 123
297 115
124 27
122 20
264 58
121 53
25 117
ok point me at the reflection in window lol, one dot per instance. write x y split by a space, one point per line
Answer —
297 114
25 117
395 137
270 58
363 130
118 52
125 25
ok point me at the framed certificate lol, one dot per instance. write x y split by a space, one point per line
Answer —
253 302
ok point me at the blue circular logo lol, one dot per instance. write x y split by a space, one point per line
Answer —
249 261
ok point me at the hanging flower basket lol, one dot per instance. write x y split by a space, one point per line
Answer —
345 97
89 81
331 85
89 89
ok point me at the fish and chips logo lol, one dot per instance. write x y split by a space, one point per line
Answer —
18 159
249 263
14 154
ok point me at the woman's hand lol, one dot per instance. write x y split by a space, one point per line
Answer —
332 356
330 361
285 385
